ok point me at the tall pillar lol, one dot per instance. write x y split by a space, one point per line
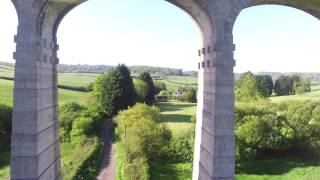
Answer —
215 140
35 141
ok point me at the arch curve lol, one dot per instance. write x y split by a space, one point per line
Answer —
310 7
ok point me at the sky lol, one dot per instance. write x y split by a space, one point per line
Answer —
156 33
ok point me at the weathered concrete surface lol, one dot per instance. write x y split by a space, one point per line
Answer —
35 143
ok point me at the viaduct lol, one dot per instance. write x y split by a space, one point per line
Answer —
35 153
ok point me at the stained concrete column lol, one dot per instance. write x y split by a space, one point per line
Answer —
35 141
215 140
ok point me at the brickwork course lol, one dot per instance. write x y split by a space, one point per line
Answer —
35 142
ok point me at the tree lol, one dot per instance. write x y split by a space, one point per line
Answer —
300 84
146 77
114 90
191 95
265 85
141 89
160 86
284 86
246 88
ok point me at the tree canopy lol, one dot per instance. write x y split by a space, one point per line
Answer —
114 90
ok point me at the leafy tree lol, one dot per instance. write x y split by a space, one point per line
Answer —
301 85
141 89
246 88
146 77
190 95
114 90
283 86
265 85
160 86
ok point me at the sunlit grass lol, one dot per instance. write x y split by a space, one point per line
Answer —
177 115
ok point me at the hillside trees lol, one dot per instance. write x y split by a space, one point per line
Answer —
289 85
146 77
114 90
265 85
246 88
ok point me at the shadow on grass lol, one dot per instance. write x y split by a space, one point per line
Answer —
273 166
176 118
169 107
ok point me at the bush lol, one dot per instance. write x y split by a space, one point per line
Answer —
276 129
67 114
142 138
180 148
5 120
81 127
89 167
190 95
137 169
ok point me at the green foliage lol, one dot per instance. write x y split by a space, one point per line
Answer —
142 138
80 127
89 167
68 113
180 148
286 128
141 89
114 90
284 86
265 85
146 77
301 85
137 169
190 95
246 88
160 86
6 120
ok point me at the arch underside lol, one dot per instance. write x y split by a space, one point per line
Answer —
309 6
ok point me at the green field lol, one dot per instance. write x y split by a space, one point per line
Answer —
187 80
76 79
65 79
313 95
177 115
6 91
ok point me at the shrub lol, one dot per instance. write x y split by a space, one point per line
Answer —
190 95
180 148
81 127
67 114
137 169
142 138
277 129
88 169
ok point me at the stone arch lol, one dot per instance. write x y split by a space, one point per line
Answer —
312 8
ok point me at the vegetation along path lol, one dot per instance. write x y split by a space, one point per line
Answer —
108 165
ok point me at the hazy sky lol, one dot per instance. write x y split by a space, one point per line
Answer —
156 33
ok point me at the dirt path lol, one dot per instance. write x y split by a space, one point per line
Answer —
108 166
